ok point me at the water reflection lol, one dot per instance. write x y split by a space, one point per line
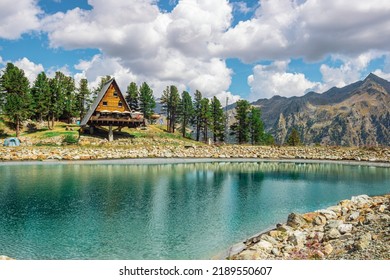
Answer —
186 211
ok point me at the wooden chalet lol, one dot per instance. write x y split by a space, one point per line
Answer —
111 109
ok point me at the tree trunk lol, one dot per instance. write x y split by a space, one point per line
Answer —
52 121
17 127
197 132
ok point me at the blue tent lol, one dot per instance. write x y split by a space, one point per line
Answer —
12 141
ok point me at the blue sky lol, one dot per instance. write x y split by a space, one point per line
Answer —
237 49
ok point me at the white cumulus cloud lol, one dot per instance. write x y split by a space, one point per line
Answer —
18 17
270 80
144 44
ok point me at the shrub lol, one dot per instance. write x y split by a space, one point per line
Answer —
70 139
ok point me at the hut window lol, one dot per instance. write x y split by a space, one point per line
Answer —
105 103
116 93
120 104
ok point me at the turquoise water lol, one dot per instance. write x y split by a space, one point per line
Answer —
183 211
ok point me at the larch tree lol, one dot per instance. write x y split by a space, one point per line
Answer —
15 96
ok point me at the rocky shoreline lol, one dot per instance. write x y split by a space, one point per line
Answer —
173 148
356 229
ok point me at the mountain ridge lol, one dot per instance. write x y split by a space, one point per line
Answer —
354 115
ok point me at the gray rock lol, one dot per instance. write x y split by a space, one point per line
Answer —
361 200
269 239
382 208
363 242
333 224
263 245
336 209
285 228
354 215
298 239
320 220
371 217
275 252
328 214
333 233
344 228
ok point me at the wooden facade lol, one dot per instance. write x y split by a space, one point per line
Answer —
111 109
113 100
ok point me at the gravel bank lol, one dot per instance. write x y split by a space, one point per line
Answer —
167 149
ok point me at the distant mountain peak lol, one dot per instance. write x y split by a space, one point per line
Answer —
375 78
378 80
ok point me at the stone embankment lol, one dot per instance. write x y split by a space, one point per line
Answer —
354 229
172 148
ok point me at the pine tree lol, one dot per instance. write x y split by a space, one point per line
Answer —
70 103
205 117
15 94
197 113
40 93
241 127
171 103
218 120
146 99
256 126
82 98
57 98
187 111
132 96
294 139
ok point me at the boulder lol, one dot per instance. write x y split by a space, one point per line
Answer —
296 221
354 215
363 242
330 215
328 249
298 239
361 200
319 220
264 246
333 233
333 224
344 228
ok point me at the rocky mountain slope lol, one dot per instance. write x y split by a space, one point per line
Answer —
355 115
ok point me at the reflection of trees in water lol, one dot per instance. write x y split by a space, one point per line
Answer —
111 188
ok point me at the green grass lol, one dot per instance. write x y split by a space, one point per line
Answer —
49 134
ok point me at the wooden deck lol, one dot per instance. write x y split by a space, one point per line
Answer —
120 121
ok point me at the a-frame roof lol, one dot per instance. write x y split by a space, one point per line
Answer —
99 97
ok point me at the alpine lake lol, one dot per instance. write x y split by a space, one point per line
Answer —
162 211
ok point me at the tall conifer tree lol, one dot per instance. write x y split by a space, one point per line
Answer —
187 111
15 96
